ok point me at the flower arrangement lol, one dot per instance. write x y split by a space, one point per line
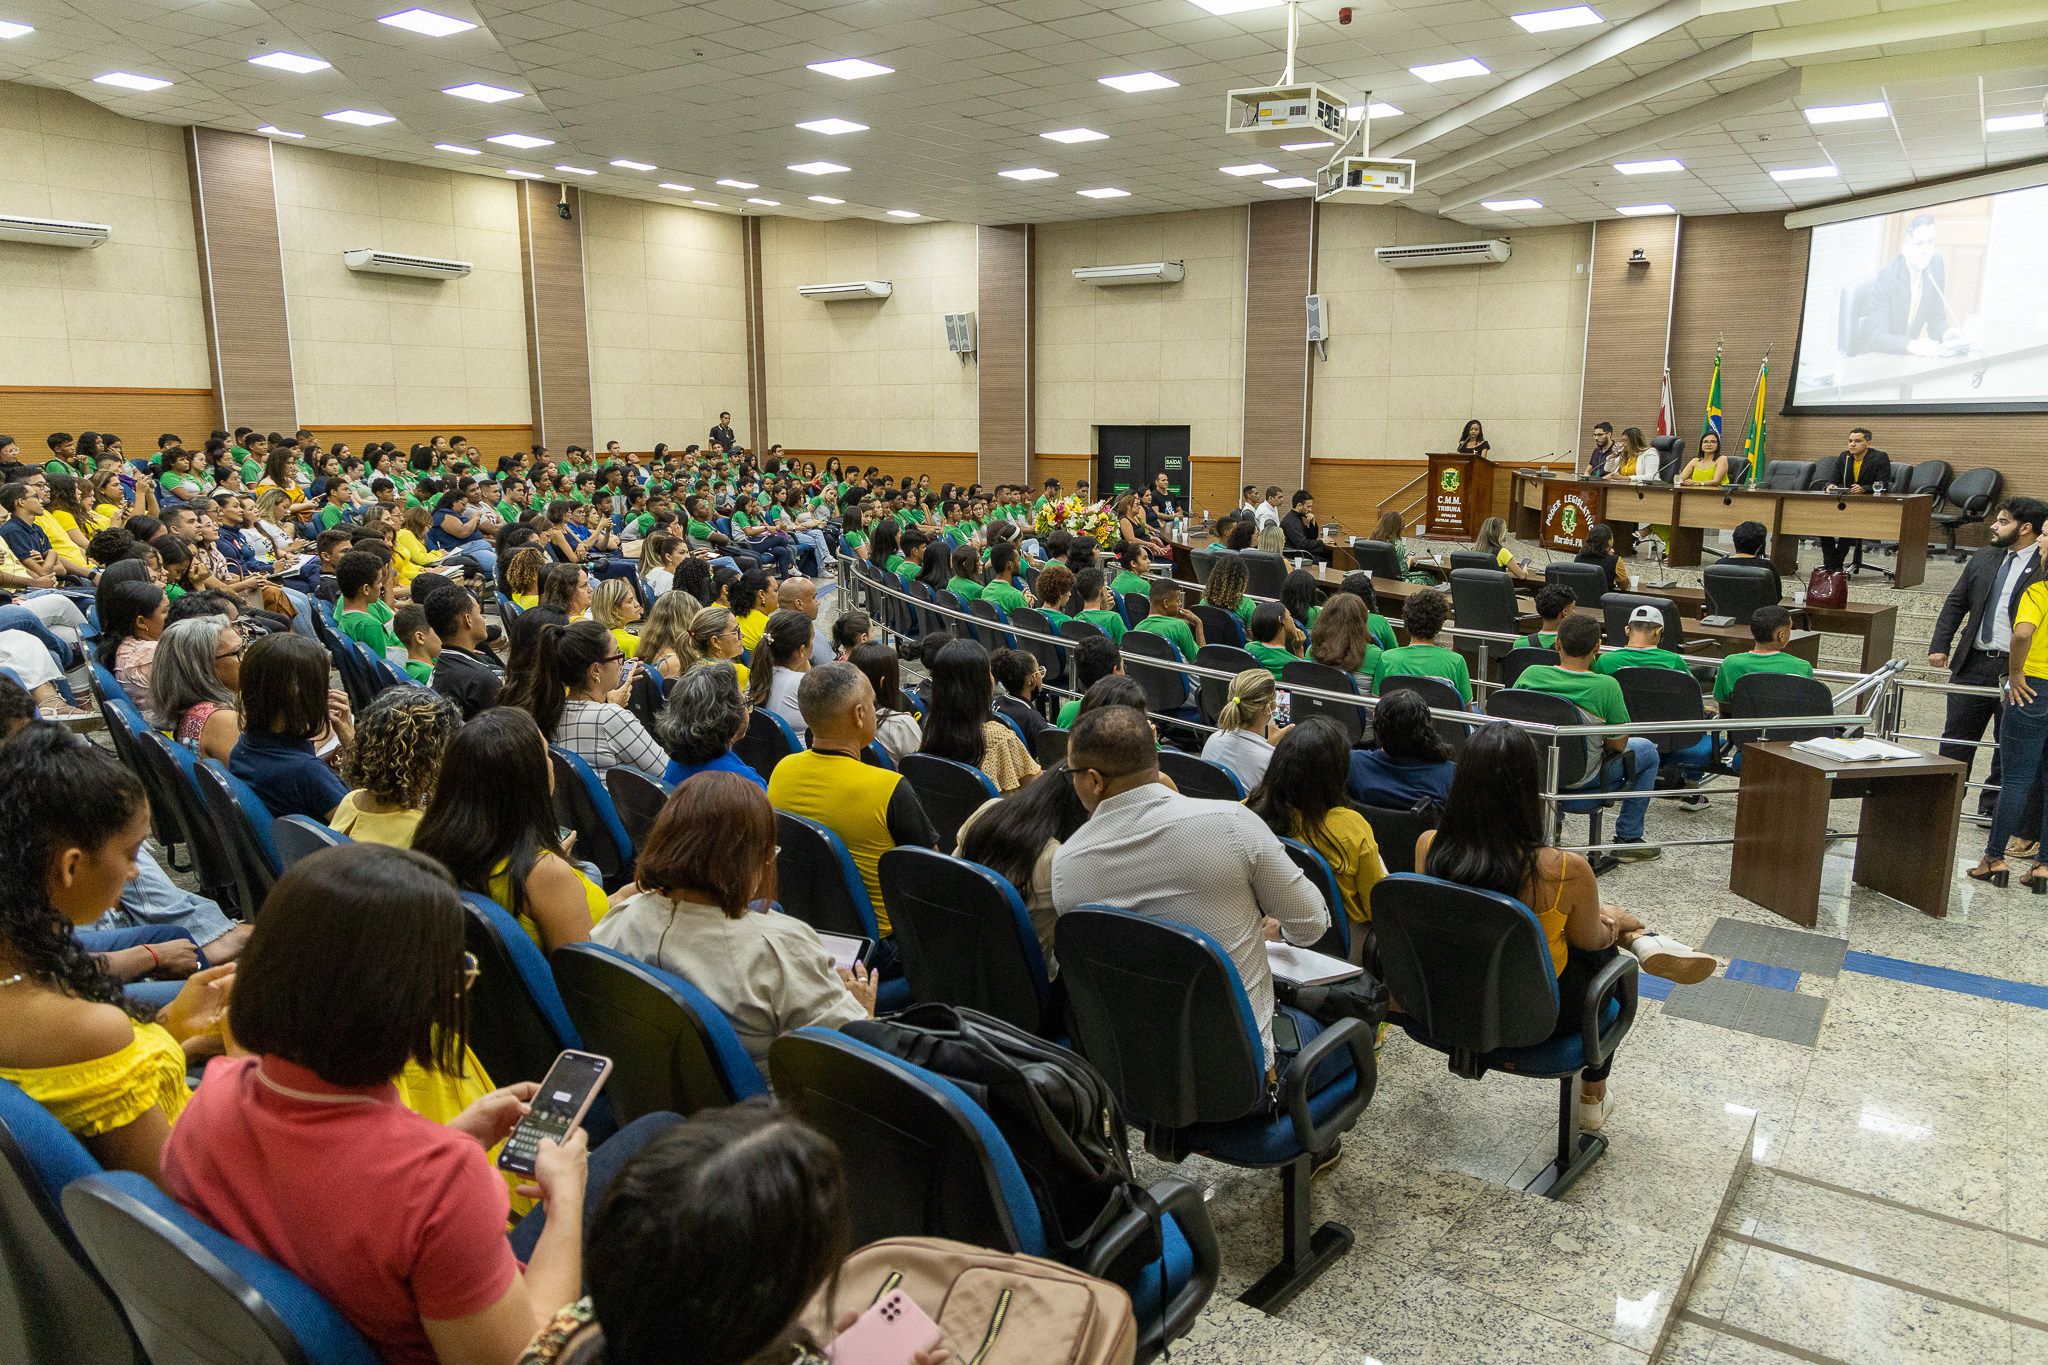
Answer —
1082 518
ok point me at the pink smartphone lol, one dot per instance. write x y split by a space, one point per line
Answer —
892 1331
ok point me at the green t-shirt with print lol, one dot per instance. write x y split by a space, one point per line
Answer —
1738 666
362 626
1612 661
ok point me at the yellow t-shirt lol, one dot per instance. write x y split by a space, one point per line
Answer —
94 1097
629 643
593 897
1347 845
393 829
526 601
739 669
66 549
410 556
2033 611
1703 473
751 626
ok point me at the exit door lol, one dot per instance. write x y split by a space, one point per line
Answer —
1130 458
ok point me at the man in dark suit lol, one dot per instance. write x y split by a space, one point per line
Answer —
1304 533
1905 311
1983 603
1856 470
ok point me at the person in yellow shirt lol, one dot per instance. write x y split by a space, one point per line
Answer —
410 555
615 606
2022 731
1302 797
747 597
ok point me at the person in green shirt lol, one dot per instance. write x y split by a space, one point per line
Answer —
966 564
422 646
254 452
1424 614
1275 639
1134 573
1598 695
335 510
1771 627
361 577
1359 585
1170 620
1554 602
1228 579
1096 604
177 479
1055 586
1094 659
1645 636
1002 588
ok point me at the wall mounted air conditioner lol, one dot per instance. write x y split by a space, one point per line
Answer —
52 231
1442 253
851 289
370 262
1151 272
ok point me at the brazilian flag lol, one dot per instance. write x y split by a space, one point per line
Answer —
1713 418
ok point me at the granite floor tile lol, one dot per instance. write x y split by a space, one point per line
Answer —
1859 1321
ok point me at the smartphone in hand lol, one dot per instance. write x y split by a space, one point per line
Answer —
564 1097
891 1332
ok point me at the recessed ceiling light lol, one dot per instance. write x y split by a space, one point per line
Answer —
1289 182
1305 146
1510 205
1104 194
14 30
1254 168
427 22
825 199
275 131
905 213
524 175
1450 71
1138 82
820 167
739 184
289 61
1544 20
359 118
128 82
1643 210
1235 6
575 170
833 126
1076 135
679 189
767 203
1805 173
1847 113
457 149
1649 167
520 140
1380 109
626 165
706 204
2013 123
850 68
1029 173
481 93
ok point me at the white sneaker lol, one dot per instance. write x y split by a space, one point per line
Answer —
1593 1113
1672 960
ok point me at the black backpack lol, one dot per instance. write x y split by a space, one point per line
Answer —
1053 1108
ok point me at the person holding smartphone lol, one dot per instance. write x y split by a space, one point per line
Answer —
574 684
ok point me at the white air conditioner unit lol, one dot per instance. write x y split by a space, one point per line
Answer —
1442 253
1152 272
851 289
52 231
369 262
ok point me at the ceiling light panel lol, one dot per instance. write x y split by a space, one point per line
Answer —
626 165
825 199
1805 173
127 81
524 175
481 93
1305 146
1847 113
2013 123
905 213
851 69
1549 20
1104 193
457 149
1644 210
1380 109
14 30
1076 135
289 61
1220 7
427 23
1510 205
767 203
360 118
739 184
522 141
274 131
833 127
819 168
1253 168
1138 82
679 189
706 204
1029 173
576 170
1450 71
1289 182
1659 167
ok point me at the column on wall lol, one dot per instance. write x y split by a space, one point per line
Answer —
1005 336
1628 325
1280 273
241 278
754 434
557 331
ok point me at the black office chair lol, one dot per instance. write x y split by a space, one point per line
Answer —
647 697
817 881
1473 559
1051 657
1473 970
1200 778
1484 599
672 1050
1377 558
1577 756
966 939
1136 606
767 742
1737 590
1336 941
583 804
1522 657
176 807
517 1022
1052 746
1777 694
1158 1008
1166 687
1077 631
1219 627
1969 500
1929 476
1265 571
124 723
1588 582
1308 673
1395 831
1212 693
299 836
244 825
1441 696
948 791
1664 694
636 799
1616 607
1788 476
988 617
1670 456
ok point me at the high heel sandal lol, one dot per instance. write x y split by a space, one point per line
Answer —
2001 878
2035 879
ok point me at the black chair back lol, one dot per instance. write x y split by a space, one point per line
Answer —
1336 941
1198 777
55 1309
1522 657
1081 630
1574 755
1777 694
1737 590
1166 687
177 809
657 1030
766 743
1219 627
1472 966
1787 476
1136 606
1588 582
1395 831
1971 492
1440 695
1308 673
576 807
1929 476
816 879
924 598
1473 559
637 799
1265 571
965 938
990 633
1212 693
1377 558
648 696
1670 455
1663 694
511 1028
948 791
298 836
1484 599
248 848
1052 746
1616 606
1051 657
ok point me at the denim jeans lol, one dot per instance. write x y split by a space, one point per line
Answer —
153 994
2022 735
1633 812
38 613
607 1159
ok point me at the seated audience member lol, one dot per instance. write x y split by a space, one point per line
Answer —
1098 603
132 619
705 716
194 675
1298 595
491 822
896 726
1302 797
1304 534
1169 619
364 579
462 670
286 703
1645 646
1342 639
781 658
356 970
1750 539
615 606
1004 587
929 646
1492 542
1492 837
1554 602
1424 614
961 723
1055 586
1412 765
1094 660
566 588
1600 550
1228 579
393 764
850 630
1020 679
574 683
1212 865
1599 696
714 637
1771 628
1276 641
73 822
750 598
1015 837
521 573
871 809
664 635
1245 729
422 646
709 858
801 595
965 583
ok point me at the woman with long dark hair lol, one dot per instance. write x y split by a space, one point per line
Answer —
1302 797
574 682
1472 441
1298 595
896 727
132 619
1412 765
961 724
1015 838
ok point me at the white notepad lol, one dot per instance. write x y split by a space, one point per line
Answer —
1305 967
1854 750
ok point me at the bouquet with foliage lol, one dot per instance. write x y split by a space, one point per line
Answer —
1094 519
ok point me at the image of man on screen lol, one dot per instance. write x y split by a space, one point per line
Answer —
1905 311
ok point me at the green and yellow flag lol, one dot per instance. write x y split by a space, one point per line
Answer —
1753 444
1713 418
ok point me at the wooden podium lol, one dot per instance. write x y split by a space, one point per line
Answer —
1460 495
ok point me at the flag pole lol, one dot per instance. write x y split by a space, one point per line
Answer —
1749 430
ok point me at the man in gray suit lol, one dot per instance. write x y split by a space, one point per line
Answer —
1905 311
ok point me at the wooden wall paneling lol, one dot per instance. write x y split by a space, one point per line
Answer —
945 466
137 416
491 439
1350 491
241 279
1004 303
1628 318
1280 273
1065 468
754 434
557 329
1214 483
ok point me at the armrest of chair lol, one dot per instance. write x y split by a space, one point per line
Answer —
1347 1033
1183 1202
1616 978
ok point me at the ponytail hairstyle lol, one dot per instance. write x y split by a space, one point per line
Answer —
1253 694
655 550
748 592
558 585
788 635
127 602
707 625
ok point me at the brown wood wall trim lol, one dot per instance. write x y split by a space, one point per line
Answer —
241 277
757 335
1628 318
1279 274
137 416
557 325
92 388
1004 298
432 428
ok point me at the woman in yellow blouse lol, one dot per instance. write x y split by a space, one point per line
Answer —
522 575
411 556
615 606
71 821
1709 465
1302 797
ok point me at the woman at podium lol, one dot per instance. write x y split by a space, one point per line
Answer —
1473 442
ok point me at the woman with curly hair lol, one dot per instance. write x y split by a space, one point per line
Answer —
391 769
522 576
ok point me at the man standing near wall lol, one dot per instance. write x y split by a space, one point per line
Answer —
721 434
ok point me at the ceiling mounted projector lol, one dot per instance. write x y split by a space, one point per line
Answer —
1366 177
365 261
851 289
1151 272
52 231
1278 115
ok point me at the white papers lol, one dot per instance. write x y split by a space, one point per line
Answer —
1854 750
1305 967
